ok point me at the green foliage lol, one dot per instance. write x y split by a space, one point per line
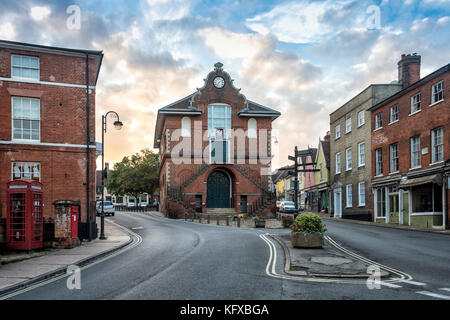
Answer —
258 219
134 175
308 223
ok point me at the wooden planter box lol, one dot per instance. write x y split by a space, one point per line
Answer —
260 224
311 240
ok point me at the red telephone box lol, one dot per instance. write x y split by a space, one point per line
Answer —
24 227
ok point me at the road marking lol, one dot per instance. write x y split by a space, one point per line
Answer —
137 228
271 271
62 276
445 289
413 282
403 275
387 284
434 295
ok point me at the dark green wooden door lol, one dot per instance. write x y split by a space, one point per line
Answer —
218 193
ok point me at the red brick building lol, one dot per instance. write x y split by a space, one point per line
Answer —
215 151
411 149
44 132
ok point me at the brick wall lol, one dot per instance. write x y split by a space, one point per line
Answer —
62 121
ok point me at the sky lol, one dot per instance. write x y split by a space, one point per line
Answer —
303 58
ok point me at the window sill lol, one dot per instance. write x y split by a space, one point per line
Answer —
436 163
25 79
378 129
348 132
347 170
392 122
361 205
379 176
435 103
359 126
337 138
394 172
415 168
362 166
415 112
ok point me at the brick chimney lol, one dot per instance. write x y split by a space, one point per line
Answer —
409 69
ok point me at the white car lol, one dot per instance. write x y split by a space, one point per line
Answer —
131 204
288 207
108 208
143 204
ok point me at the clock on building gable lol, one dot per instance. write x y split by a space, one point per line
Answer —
219 82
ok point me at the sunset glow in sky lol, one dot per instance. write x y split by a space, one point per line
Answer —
302 58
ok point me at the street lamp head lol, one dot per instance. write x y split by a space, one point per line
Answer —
118 125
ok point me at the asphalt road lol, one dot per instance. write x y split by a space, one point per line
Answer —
189 261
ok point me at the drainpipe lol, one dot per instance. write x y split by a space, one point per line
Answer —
88 160
444 200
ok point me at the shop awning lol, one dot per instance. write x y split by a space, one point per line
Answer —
435 178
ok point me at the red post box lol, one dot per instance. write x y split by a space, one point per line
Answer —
24 227
74 221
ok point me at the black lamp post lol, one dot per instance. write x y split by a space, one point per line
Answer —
117 125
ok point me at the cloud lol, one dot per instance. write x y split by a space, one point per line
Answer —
39 13
306 21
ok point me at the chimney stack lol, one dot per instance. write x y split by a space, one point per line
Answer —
409 69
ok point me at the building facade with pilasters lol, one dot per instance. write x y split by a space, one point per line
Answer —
215 151
411 151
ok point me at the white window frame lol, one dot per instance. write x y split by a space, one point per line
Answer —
347 158
394 111
337 132
416 103
379 120
26 68
252 128
439 146
362 194
392 158
348 196
338 162
434 92
348 125
186 127
379 162
415 150
30 166
22 118
361 157
361 118
226 135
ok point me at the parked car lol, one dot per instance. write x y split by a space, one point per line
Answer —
131 204
108 208
143 204
288 207
278 205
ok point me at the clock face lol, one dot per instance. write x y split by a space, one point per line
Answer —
219 82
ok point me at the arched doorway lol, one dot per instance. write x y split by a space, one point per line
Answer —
218 190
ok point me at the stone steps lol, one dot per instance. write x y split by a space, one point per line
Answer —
227 211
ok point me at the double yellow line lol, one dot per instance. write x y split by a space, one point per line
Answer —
271 266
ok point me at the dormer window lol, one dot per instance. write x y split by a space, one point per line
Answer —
24 67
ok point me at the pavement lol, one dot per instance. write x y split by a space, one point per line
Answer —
327 216
22 269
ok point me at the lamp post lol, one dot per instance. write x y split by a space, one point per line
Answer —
117 125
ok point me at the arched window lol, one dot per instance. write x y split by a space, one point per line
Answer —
252 128
186 127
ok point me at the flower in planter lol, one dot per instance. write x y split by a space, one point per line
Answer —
258 219
287 221
241 216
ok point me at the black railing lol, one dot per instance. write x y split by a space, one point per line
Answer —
135 208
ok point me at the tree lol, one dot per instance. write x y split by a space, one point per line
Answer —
135 175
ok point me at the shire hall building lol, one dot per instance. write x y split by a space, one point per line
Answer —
215 152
